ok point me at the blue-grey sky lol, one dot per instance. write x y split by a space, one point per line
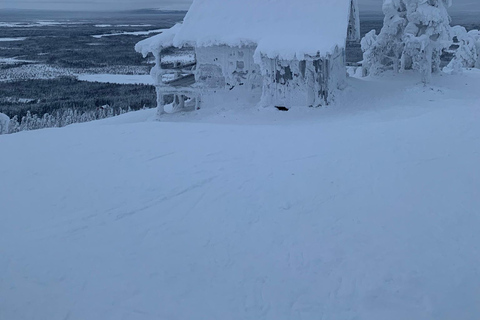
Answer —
97 5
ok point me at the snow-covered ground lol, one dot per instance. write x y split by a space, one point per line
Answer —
366 210
117 78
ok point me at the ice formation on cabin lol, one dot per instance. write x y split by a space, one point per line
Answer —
414 35
4 123
279 53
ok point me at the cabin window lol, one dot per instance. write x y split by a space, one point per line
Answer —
240 65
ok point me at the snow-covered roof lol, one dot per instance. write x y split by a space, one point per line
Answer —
280 28
156 43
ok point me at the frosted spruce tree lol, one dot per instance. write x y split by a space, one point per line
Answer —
414 34
426 35
475 34
468 52
384 51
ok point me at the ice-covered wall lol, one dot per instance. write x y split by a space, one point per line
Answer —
230 71
313 82
285 82
231 74
337 74
229 67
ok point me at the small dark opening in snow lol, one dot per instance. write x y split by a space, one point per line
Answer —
281 108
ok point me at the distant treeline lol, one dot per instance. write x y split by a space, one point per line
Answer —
49 96
61 118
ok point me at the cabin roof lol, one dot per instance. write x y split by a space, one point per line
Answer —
286 29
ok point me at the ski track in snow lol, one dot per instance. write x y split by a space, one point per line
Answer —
368 209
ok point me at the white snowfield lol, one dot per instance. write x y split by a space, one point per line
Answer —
366 210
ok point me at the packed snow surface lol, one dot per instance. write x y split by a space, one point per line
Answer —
281 28
365 210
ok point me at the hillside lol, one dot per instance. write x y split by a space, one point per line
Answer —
366 210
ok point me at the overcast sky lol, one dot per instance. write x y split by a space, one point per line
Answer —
165 4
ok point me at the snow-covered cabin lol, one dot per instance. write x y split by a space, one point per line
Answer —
280 53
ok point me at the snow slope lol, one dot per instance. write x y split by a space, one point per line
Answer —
368 210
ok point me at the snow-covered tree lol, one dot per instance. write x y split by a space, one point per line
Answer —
4 123
427 34
60 118
14 126
475 34
384 51
468 50
414 34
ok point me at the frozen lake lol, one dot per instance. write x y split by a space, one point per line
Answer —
117 78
